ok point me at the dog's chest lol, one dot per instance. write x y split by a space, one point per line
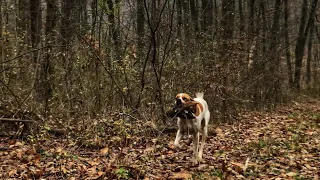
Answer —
188 125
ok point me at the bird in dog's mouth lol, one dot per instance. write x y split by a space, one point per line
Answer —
182 110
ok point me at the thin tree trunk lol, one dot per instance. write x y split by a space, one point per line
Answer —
309 58
241 18
207 16
35 26
1 33
287 42
113 30
264 27
252 18
275 36
67 22
186 24
22 18
194 15
140 29
67 32
179 23
227 25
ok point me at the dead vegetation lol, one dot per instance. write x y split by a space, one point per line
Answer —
269 145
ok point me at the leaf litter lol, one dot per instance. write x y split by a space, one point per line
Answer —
284 144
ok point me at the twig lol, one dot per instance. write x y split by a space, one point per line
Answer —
16 120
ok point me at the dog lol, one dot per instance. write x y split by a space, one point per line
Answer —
198 108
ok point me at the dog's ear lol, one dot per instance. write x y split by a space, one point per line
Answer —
191 99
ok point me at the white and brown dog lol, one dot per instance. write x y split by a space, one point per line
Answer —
199 109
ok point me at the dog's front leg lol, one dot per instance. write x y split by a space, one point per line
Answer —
178 138
195 147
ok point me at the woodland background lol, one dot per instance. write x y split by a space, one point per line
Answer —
71 59
86 84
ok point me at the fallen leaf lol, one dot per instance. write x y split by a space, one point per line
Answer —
63 169
104 151
181 175
12 172
291 174
100 173
36 158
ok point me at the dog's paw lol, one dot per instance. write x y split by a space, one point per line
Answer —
177 145
200 157
195 161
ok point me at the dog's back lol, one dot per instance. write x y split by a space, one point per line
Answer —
199 98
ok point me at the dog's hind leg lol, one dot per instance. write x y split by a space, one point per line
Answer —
204 135
203 141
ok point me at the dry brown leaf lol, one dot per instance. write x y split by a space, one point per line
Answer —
36 158
19 153
16 144
291 174
150 147
100 173
92 170
31 151
59 150
181 175
63 169
104 151
219 132
12 172
238 167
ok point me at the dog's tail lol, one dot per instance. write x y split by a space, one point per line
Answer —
199 95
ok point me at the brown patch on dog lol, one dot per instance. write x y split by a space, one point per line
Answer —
194 106
200 107
184 96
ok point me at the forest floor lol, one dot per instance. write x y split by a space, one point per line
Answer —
283 144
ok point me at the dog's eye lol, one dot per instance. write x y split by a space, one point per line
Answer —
185 99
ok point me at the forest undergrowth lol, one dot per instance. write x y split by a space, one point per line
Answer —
282 144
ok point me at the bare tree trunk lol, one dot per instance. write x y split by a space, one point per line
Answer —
274 59
264 27
1 33
241 18
207 16
179 17
44 75
36 24
274 43
140 29
302 36
67 32
227 23
22 18
194 15
309 58
252 19
83 16
287 42
186 24
67 22
113 30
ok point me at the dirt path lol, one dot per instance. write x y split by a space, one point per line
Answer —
283 144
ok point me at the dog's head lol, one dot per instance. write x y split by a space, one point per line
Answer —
179 108
182 98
